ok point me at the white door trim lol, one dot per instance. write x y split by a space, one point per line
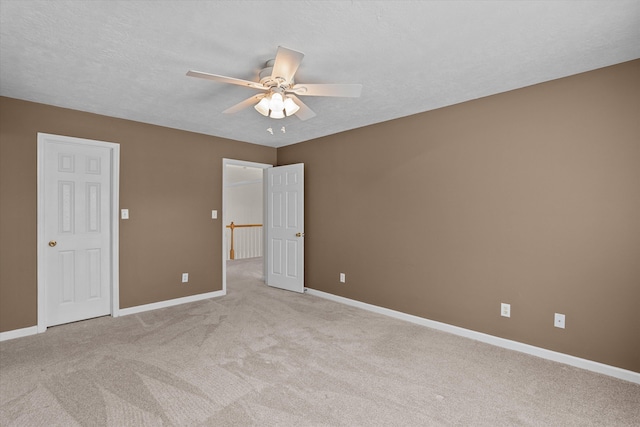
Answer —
226 162
115 240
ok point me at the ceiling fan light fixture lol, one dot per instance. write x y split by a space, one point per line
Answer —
290 107
276 107
262 107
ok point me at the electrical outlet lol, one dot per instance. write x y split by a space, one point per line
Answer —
558 320
505 310
343 278
185 277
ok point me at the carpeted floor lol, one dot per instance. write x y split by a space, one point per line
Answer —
265 357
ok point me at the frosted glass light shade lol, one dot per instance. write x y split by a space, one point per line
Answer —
277 114
263 106
290 107
276 103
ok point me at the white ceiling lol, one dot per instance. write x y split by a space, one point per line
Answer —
128 59
238 175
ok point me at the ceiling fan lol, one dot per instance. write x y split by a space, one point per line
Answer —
279 99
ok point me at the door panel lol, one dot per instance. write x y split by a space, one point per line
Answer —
285 227
77 233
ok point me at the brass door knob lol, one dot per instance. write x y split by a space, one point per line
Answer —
52 243
299 234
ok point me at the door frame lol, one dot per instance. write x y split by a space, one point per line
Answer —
114 148
235 162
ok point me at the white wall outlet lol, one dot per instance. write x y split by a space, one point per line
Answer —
124 213
558 320
185 277
343 278
505 310
214 214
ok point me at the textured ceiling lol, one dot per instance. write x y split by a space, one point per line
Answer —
128 59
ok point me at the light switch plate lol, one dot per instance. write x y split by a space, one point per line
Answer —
214 214
558 320
124 213
505 310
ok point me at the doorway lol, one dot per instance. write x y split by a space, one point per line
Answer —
242 205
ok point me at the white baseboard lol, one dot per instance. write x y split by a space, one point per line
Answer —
18 333
169 303
567 359
32 330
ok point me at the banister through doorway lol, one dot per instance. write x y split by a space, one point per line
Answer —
233 226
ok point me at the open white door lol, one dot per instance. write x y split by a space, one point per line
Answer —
284 252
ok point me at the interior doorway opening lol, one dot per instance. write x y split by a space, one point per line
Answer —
242 213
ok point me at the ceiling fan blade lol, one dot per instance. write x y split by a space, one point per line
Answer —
286 63
244 104
223 79
304 113
342 90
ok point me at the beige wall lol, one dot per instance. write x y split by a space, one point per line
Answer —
170 181
530 197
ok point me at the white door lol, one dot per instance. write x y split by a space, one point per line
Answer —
76 230
285 227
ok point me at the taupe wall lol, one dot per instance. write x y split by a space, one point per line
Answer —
530 197
170 181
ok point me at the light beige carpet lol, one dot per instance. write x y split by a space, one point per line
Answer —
265 357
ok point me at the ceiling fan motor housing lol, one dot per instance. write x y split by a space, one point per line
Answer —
270 81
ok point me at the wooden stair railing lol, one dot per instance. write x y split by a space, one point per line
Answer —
232 226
